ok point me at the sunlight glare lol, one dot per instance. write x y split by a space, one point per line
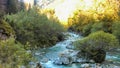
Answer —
28 3
64 9
88 4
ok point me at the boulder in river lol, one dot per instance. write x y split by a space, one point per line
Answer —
63 59
99 57
45 60
70 46
68 57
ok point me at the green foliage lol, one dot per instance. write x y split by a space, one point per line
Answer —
97 40
35 28
13 54
13 6
116 30
2 12
96 45
102 26
86 22
87 29
7 28
103 19
80 20
97 27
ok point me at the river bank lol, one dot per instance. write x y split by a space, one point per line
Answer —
48 56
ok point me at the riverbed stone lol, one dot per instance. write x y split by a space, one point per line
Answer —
45 60
85 65
37 53
70 47
68 57
63 59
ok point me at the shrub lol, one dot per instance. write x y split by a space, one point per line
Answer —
2 12
87 29
80 20
6 29
97 27
35 28
13 54
104 26
106 14
116 30
96 45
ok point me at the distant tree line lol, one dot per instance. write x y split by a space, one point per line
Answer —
10 6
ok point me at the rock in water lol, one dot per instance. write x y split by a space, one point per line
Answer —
68 57
45 60
37 53
63 59
85 65
100 56
70 47
38 65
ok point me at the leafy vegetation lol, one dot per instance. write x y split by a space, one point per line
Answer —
79 21
104 26
87 29
96 44
13 54
35 28
102 18
6 29
116 30
13 6
88 24
93 23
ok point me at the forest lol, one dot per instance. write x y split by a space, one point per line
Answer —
90 28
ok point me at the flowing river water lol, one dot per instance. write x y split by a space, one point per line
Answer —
46 56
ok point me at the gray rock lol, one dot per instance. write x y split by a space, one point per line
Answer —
31 63
58 62
22 67
85 65
74 59
37 53
45 60
63 59
70 47
68 57
28 51
79 60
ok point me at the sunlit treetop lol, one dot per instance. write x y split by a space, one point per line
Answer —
65 8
